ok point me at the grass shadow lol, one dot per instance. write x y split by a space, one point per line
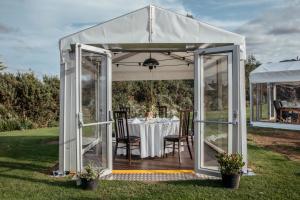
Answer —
216 183
23 166
51 182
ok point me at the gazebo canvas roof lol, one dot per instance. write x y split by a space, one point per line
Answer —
152 28
288 71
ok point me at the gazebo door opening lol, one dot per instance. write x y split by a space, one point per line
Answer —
216 105
93 107
128 71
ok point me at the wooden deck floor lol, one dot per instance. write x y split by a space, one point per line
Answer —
171 162
157 163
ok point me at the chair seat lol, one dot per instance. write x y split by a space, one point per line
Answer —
174 137
132 139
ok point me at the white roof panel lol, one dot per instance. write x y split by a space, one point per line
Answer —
276 72
153 25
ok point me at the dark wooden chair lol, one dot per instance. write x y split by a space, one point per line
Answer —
280 116
183 135
295 117
123 136
127 109
162 111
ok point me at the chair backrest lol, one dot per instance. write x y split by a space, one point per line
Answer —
121 124
277 105
193 118
162 111
127 109
184 122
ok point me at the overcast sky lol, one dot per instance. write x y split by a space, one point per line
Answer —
30 29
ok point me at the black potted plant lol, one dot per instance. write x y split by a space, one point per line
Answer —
231 169
89 179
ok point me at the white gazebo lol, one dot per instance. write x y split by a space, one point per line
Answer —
115 51
275 95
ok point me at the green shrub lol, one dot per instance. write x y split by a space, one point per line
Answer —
10 124
28 102
230 163
53 123
27 124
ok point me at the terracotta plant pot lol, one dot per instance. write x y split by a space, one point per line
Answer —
231 180
89 184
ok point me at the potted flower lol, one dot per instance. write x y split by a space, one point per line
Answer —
231 169
90 177
151 110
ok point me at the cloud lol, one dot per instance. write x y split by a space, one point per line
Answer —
227 24
284 30
274 35
235 3
40 24
6 29
30 30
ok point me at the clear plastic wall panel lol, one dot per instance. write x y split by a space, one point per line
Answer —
94 146
276 102
263 102
288 92
254 102
94 108
288 95
93 87
216 91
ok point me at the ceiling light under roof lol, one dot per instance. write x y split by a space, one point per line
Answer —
151 63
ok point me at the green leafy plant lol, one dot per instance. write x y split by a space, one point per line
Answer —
230 163
27 101
91 172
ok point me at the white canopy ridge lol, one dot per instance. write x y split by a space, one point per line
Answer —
156 27
288 71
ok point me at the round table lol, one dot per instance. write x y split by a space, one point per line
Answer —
152 133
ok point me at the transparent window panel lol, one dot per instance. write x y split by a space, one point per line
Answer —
94 108
254 102
215 107
94 141
215 140
93 87
261 102
264 102
288 94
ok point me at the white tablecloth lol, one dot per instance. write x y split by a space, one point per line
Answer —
152 133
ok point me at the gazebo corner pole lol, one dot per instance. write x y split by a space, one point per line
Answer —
62 121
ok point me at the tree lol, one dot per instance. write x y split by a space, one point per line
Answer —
2 66
251 64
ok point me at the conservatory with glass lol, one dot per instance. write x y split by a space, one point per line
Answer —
275 95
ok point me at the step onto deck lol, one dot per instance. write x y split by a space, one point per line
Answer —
156 175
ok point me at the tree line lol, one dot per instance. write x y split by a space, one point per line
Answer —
28 102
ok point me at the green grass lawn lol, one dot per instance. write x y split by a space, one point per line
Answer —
26 156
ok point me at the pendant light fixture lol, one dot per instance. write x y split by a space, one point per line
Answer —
151 63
